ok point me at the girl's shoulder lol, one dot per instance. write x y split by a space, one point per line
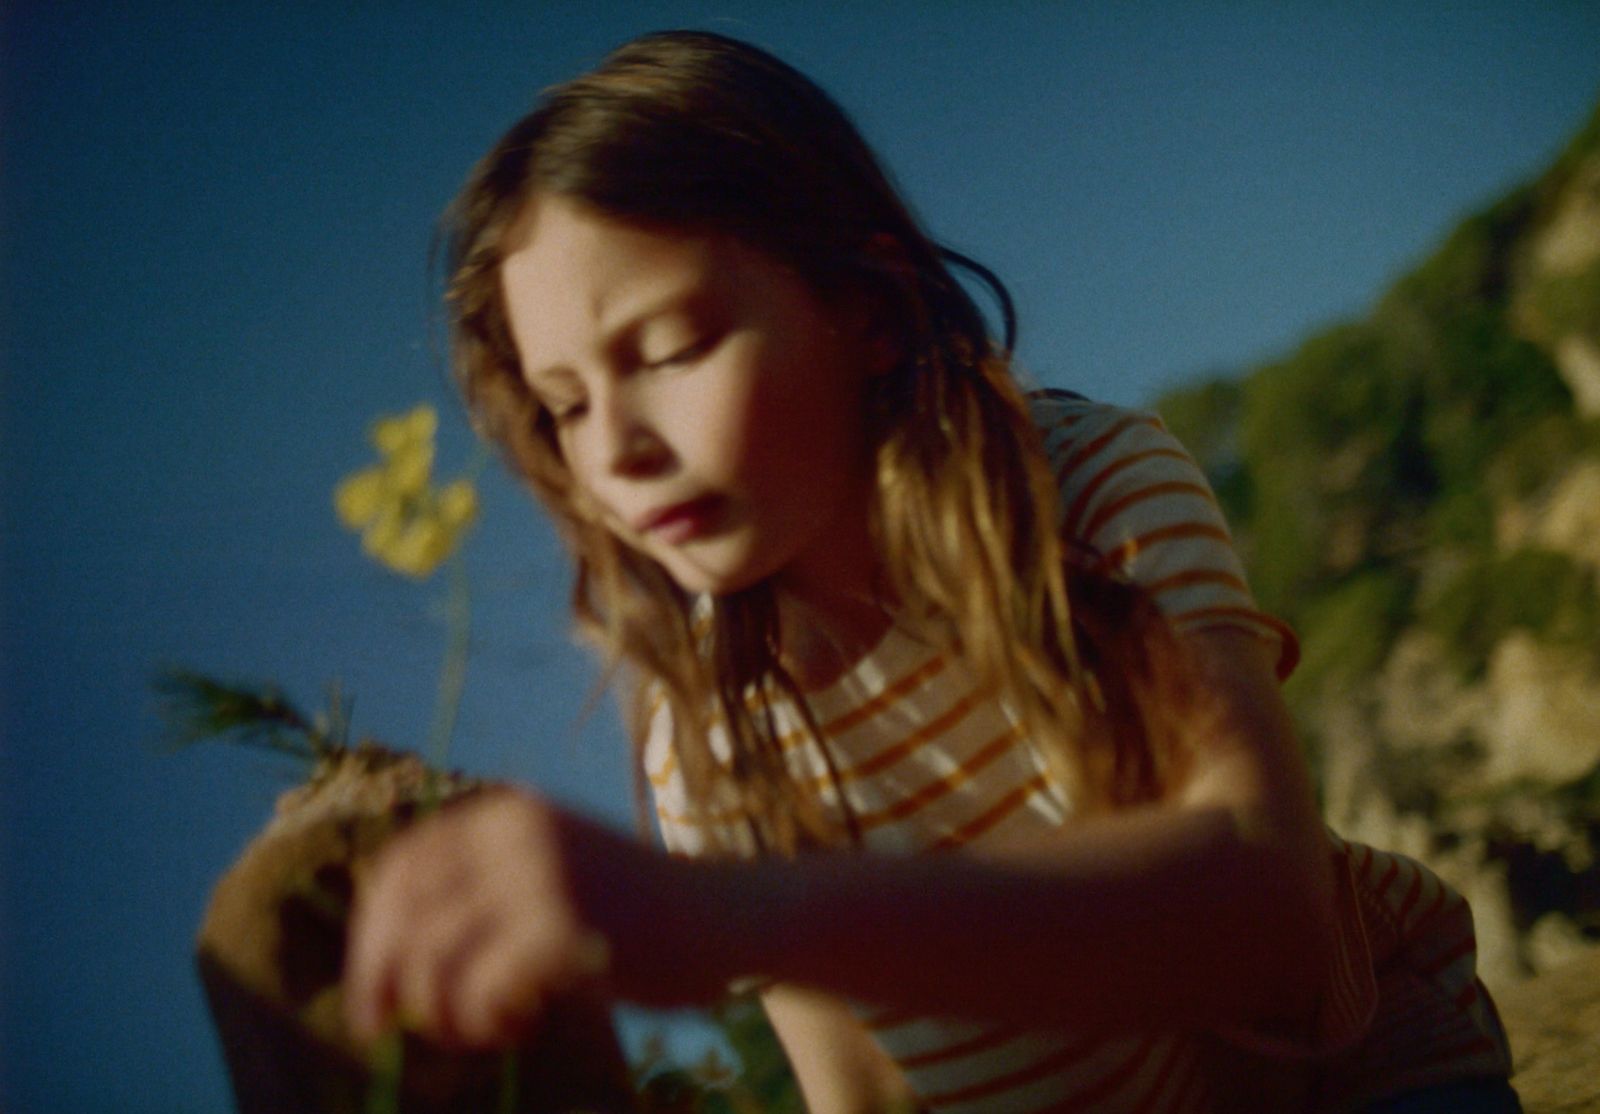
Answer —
1066 419
1131 493
1096 449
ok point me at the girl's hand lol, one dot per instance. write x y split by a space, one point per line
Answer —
475 919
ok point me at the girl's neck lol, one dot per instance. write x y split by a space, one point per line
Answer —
823 640
833 605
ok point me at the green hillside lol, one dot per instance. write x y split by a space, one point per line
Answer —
1417 492
1365 473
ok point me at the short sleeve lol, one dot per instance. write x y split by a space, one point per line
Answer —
1349 997
1129 489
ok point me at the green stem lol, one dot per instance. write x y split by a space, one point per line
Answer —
510 1080
388 1069
453 673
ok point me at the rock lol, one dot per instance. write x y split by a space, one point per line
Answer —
1422 701
1578 360
271 949
1570 240
1554 1024
1543 718
1569 520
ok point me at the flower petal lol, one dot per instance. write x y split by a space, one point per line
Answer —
396 432
458 504
359 497
419 549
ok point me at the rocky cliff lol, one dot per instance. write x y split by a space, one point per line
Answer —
1418 492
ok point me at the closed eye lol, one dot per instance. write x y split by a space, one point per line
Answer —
564 413
687 354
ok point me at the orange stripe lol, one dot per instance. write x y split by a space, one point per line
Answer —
1225 616
686 820
1123 555
945 785
1175 1056
1050 1065
1190 577
1388 877
979 1043
889 695
859 714
891 1018
888 756
1112 509
1109 1084
1189 1094
865 711
1090 448
1473 1047
1411 897
991 817
1454 955
1081 504
662 777
1249 620
1432 911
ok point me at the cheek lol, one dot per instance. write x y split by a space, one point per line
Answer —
576 457
723 418
579 458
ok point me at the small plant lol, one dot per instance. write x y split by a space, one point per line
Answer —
409 526
405 522
197 707
412 527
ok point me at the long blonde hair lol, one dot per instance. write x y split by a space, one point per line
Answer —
698 132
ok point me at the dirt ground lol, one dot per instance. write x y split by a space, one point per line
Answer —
1554 1024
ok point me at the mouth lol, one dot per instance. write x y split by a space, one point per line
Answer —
680 522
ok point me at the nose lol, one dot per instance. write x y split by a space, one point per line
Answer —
630 445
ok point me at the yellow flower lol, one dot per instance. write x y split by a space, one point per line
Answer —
393 433
416 548
458 504
406 523
409 468
359 497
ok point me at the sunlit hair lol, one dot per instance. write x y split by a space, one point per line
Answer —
700 133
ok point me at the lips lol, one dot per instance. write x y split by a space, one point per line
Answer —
680 522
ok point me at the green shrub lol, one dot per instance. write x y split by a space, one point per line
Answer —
1546 593
1349 631
1565 304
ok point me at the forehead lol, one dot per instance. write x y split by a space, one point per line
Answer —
569 266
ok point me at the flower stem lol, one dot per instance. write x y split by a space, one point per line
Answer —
453 672
388 1069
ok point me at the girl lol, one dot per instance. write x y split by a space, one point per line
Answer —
962 727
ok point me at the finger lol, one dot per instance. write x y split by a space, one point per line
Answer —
368 984
410 876
428 969
498 996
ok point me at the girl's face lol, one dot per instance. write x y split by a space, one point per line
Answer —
707 401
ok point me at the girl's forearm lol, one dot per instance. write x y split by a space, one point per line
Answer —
1155 916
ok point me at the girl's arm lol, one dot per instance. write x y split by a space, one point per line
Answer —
1209 908
840 1067
1213 907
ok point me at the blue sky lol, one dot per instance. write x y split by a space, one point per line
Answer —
214 222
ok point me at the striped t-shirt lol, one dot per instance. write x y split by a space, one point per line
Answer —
928 765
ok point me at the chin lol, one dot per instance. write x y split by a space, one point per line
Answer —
701 580
702 585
